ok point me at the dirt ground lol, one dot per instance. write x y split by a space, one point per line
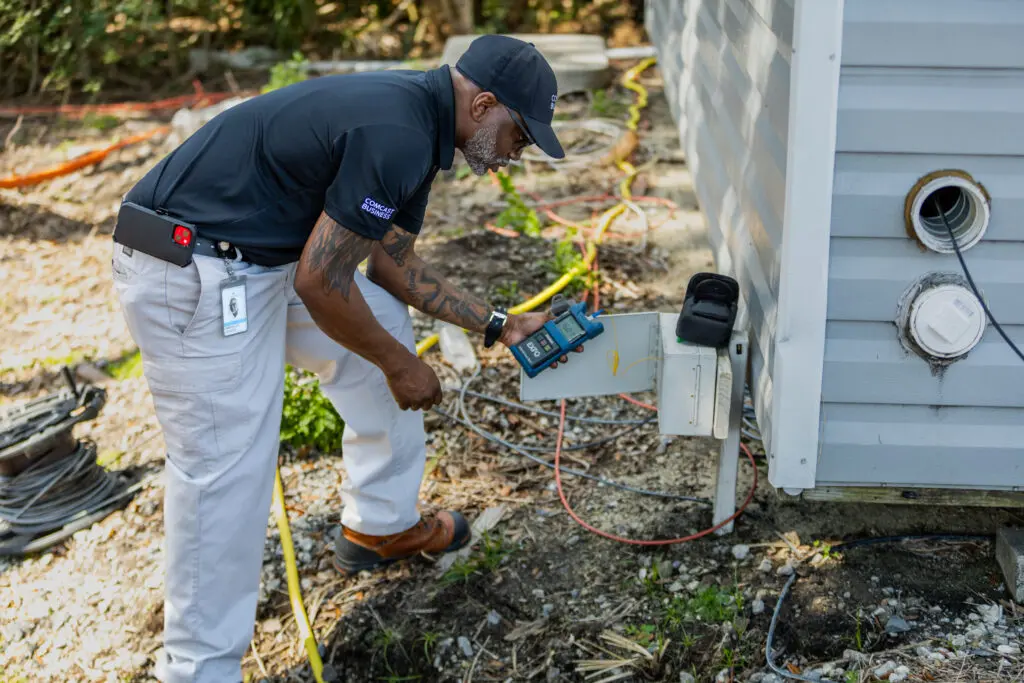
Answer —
538 597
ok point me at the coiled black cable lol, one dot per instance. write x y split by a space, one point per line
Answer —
53 491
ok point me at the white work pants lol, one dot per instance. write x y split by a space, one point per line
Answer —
218 400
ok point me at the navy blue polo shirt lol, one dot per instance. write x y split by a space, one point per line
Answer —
364 148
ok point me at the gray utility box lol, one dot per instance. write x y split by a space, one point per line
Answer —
699 389
828 140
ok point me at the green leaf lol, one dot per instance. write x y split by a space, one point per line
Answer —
308 417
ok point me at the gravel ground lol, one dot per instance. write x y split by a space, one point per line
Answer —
538 598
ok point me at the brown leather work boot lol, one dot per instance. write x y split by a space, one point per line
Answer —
355 552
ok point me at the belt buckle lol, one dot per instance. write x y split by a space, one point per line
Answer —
223 247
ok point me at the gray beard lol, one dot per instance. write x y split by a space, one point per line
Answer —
481 150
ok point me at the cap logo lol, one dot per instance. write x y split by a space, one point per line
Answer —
554 98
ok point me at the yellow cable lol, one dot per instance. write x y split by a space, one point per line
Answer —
637 362
306 635
629 81
613 355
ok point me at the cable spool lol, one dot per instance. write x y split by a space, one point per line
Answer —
50 482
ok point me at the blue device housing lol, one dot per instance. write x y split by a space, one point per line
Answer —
557 338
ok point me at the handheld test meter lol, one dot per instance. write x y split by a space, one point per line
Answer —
557 338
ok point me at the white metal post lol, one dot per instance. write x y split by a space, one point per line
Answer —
729 453
804 254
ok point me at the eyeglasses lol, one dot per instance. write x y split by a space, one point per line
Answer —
521 126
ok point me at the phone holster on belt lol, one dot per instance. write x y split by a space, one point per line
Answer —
157 234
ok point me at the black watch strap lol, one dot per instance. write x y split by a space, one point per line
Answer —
494 327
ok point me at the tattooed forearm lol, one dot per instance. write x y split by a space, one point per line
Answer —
398 245
334 253
395 266
429 292
324 281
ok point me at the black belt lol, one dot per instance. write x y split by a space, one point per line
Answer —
206 247
217 249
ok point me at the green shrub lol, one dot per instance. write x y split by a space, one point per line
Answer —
308 418
517 215
287 73
126 367
85 46
567 257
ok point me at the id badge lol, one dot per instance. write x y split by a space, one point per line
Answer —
233 308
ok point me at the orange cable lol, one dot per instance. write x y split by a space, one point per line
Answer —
620 539
630 399
79 110
504 232
87 159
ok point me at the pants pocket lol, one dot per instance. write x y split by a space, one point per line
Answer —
185 394
185 292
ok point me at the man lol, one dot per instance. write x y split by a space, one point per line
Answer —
288 192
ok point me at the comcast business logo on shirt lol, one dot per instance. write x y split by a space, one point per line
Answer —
378 210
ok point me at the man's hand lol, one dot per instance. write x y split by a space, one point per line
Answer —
395 266
414 385
519 327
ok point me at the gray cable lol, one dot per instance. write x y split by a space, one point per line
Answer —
635 424
467 422
565 470
549 413
771 635
846 545
750 435
588 444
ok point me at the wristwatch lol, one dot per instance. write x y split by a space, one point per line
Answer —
494 327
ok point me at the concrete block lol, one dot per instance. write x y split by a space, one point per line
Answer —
579 61
1010 555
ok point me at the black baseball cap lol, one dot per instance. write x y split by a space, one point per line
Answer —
519 76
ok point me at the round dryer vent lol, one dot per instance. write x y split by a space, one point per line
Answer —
947 197
944 319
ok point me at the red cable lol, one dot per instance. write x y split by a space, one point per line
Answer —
627 397
77 110
670 541
88 159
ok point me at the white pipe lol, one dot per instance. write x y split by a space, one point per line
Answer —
638 52
355 65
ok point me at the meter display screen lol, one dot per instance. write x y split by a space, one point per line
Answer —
538 347
570 328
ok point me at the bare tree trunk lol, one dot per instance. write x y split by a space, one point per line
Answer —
435 13
35 56
516 14
464 19
173 54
